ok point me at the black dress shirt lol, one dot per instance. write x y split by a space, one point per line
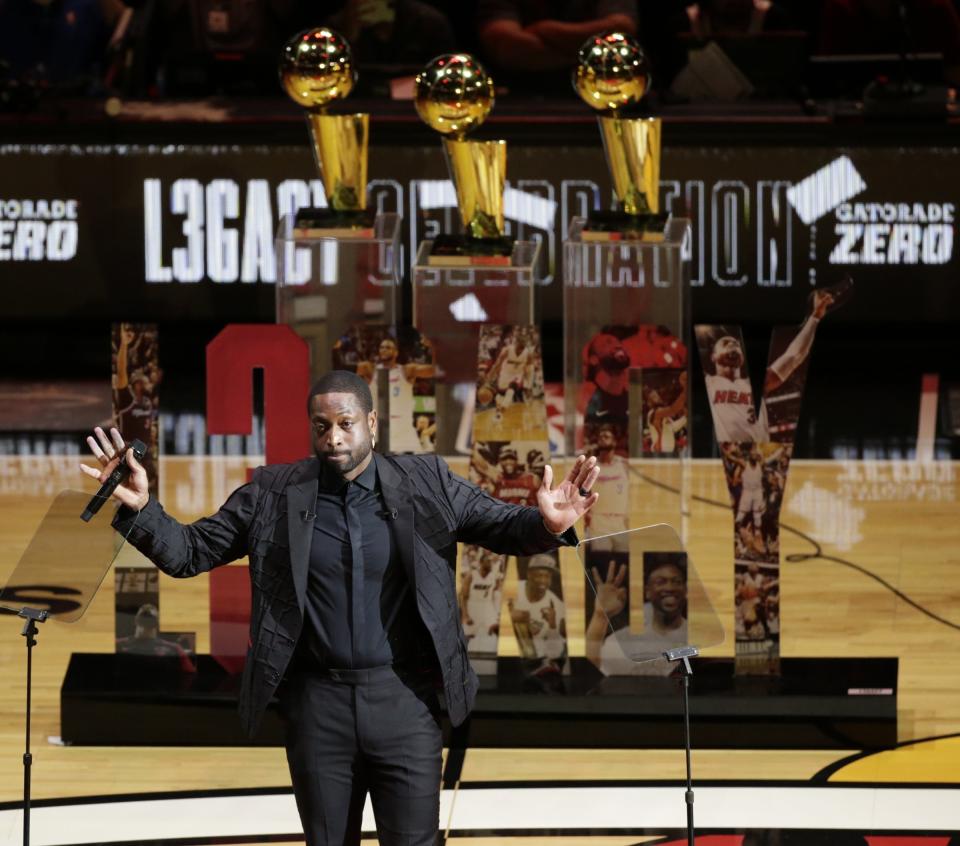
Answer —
360 610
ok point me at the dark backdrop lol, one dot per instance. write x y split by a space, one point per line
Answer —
754 259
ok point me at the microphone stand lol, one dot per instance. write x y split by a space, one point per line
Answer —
95 545
32 616
682 655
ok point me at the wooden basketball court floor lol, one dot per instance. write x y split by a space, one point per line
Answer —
848 525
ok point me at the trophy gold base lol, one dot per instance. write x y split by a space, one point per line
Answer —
464 251
334 223
621 226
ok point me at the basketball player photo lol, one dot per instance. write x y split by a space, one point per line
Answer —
481 591
136 377
510 395
608 442
539 614
736 415
509 470
607 360
756 476
405 359
605 391
664 411
757 612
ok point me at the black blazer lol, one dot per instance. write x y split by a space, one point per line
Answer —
264 520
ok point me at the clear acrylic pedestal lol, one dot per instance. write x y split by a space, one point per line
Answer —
630 300
328 283
450 303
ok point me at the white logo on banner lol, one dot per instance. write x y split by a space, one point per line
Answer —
822 191
743 233
894 233
468 309
873 233
38 230
222 235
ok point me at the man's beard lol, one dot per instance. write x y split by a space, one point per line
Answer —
354 460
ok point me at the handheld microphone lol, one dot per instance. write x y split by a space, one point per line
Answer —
119 475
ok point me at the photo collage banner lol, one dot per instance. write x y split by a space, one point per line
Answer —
510 451
135 381
756 444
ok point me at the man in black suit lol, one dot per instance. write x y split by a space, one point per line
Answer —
354 607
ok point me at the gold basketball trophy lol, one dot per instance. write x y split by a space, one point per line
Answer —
316 70
612 76
453 96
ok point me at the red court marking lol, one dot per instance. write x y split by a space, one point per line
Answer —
905 840
709 840
232 358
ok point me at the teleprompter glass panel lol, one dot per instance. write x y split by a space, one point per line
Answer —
645 597
66 560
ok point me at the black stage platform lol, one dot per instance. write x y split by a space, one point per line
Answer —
817 703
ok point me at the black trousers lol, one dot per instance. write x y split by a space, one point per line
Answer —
350 732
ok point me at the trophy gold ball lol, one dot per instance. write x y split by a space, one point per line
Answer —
453 94
316 68
612 72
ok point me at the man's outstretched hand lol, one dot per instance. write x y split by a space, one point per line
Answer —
133 492
563 505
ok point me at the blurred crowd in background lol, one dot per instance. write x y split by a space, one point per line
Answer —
712 50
